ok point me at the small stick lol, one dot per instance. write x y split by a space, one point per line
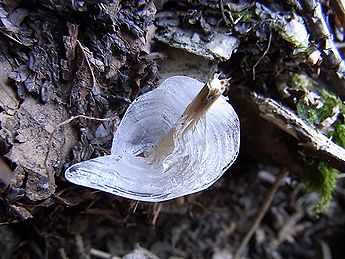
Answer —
263 55
221 5
87 62
154 212
308 137
100 254
260 213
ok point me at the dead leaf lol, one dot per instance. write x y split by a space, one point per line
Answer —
8 98
5 174
35 123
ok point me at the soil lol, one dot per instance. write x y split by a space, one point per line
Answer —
66 61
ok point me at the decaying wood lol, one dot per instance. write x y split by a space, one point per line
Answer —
218 45
307 136
319 30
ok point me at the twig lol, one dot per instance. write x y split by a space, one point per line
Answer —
318 28
154 212
260 213
221 6
263 55
87 62
308 137
135 206
100 254
50 140
14 39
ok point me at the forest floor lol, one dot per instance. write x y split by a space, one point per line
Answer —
64 61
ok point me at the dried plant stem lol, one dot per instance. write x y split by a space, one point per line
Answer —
260 213
154 212
100 254
263 55
87 62
193 113
50 140
227 22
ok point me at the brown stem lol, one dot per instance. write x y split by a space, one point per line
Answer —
190 117
260 213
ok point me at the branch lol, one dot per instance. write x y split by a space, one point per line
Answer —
324 39
308 137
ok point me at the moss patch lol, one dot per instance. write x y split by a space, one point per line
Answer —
322 178
323 181
314 114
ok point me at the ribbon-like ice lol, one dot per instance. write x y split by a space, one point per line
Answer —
175 140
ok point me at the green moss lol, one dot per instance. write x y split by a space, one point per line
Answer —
322 178
314 115
301 82
310 115
322 181
291 34
339 134
244 16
